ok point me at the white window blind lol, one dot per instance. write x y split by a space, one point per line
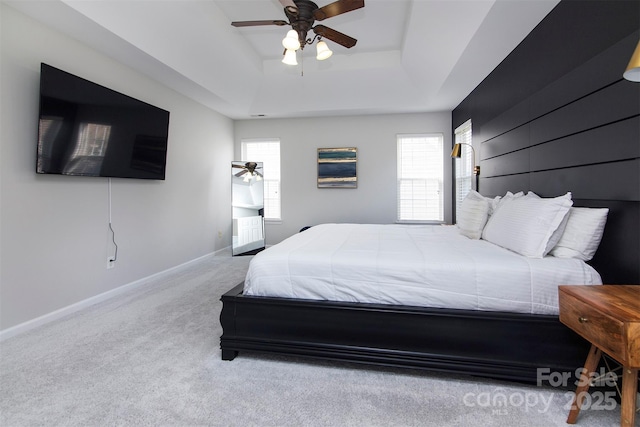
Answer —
420 177
267 151
463 166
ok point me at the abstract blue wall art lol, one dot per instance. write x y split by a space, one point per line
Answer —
337 168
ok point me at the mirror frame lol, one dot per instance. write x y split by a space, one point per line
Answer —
247 208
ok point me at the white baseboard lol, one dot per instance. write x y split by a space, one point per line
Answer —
81 305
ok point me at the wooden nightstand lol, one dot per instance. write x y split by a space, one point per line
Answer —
608 317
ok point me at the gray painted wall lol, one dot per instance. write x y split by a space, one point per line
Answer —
374 201
53 229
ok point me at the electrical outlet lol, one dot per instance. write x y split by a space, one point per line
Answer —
219 234
110 263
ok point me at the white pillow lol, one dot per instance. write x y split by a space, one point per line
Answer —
582 234
473 215
526 224
555 237
506 199
493 203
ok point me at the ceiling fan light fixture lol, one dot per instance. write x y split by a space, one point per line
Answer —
291 42
290 57
323 51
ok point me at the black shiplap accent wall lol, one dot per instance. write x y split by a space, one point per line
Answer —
557 116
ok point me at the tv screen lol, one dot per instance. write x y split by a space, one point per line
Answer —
89 130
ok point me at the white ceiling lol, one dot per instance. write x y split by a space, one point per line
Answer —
411 55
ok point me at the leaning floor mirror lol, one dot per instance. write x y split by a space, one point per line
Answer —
247 201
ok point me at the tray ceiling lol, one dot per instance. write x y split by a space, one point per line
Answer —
411 55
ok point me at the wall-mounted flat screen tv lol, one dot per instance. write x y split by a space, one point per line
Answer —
86 129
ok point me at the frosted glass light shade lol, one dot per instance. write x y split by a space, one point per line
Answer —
323 51
290 57
291 42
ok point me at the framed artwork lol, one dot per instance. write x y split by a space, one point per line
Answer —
337 168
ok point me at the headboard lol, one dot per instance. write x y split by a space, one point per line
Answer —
580 132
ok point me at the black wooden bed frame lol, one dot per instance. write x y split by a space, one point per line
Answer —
501 345
491 344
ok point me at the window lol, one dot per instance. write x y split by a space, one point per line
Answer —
266 151
463 165
420 177
90 149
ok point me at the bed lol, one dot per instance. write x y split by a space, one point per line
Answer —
446 298
411 265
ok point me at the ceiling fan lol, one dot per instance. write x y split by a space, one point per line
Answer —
303 13
249 167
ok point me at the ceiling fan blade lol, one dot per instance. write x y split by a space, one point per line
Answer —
256 23
289 6
337 8
241 173
335 36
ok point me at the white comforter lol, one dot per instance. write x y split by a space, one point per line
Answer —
417 265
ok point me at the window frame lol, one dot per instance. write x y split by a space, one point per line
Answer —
403 173
463 166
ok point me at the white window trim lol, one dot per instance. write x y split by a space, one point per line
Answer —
441 179
463 134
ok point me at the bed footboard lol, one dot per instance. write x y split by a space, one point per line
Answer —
492 344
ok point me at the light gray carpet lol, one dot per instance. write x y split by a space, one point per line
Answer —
152 357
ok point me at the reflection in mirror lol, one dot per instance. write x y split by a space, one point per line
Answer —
247 201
